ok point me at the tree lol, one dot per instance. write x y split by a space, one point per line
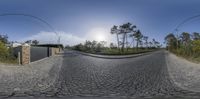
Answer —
114 30
138 35
112 46
35 42
196 36
103 43
94 43
185 38
196 46
150 44
145 38
4 39
123 30
88 45
28 41
171 41
133 38
79 47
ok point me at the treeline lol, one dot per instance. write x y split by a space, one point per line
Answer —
186 44
129 40
91 46
127 34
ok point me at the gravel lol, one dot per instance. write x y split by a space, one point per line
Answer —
185 74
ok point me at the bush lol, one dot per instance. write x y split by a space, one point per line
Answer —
4 52
6 55
196 47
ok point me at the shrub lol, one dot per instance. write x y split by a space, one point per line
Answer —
196 47
4 52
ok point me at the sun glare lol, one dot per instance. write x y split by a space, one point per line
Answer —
100 37
98 34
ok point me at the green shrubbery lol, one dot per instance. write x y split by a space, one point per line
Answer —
196 47
101 48
90 46
6 55
4 52
185 45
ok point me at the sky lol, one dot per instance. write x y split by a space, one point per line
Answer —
78 20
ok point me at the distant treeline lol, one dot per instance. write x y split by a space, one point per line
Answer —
129 40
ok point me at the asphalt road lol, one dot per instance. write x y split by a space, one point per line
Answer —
85 77
145 76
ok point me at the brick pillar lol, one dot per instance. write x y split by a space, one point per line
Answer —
25 54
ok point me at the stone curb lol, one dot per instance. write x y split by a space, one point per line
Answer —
113 56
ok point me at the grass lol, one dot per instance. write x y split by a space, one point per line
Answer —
9 61
130 51
192 58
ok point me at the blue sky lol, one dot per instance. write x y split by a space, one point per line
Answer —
77 20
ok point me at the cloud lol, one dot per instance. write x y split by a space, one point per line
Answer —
97 34
50 37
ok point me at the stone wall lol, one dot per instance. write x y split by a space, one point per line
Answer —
54 51
25 56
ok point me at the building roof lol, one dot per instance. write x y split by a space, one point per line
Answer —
50 45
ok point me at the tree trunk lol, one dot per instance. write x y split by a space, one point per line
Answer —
133 43
126 43
118 42
137 45
123 42
146 45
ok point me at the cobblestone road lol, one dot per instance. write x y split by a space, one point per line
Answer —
144 76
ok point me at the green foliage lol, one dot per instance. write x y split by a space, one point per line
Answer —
4 53
171 42
184 45
4 39
101 48
196 47
90 46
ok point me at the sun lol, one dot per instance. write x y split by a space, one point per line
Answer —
98 34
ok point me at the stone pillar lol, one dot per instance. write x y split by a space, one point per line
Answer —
25 54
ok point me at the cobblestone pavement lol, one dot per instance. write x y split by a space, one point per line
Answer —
29 80
86 77
145 76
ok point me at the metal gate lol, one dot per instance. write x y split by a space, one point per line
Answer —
37 53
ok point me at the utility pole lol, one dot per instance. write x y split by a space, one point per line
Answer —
58 39
177 38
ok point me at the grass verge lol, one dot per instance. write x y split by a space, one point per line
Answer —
117 52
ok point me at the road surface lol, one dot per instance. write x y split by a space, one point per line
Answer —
144 76
86 77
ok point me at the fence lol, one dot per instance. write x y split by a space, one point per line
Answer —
27 54
38 53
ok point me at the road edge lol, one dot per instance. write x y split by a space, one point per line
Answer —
114 56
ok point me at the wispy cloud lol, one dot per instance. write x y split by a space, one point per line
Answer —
50 37
45 37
